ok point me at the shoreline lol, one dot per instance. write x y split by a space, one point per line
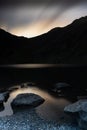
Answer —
29 120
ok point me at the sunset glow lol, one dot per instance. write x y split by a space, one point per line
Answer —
33 19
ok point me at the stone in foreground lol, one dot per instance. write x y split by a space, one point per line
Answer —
81 108
27 100
78 106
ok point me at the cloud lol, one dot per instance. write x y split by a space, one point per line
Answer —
39 2
13 17
18 13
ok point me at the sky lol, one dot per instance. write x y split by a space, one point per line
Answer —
30 18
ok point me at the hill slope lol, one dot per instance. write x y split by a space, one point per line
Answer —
67 45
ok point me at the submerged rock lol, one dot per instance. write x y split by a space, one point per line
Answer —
27 101
79 107
60 86
62 89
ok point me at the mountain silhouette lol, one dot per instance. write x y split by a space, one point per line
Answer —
65 45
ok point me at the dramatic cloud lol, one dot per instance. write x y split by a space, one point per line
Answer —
39 2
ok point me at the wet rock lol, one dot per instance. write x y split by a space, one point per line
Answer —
4 96
28 84
82 124
29 120
27 101
60 86
62 89
11 89
79 107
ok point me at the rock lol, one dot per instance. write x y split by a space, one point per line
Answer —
82 124
81 97
28 84
11 89
4 96
60 86
27 101
29 120
78 106
81 108
62 89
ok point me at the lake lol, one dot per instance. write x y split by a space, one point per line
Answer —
51 109
45 77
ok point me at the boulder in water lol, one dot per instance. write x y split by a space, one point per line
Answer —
60 86
79 107
27 101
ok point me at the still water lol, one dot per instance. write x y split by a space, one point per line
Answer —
51 109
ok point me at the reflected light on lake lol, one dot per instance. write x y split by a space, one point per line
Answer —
37 65
51 109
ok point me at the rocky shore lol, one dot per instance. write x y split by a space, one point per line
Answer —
79 107
25 116
29 120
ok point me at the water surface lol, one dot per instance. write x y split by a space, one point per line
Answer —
51 109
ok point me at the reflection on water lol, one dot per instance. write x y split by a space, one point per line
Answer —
52 108
29 65
38 65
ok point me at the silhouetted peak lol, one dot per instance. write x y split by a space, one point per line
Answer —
55 29
60 45
4 32
80 21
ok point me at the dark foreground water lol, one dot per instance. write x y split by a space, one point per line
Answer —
45 76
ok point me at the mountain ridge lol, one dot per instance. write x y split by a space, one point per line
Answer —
65 45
